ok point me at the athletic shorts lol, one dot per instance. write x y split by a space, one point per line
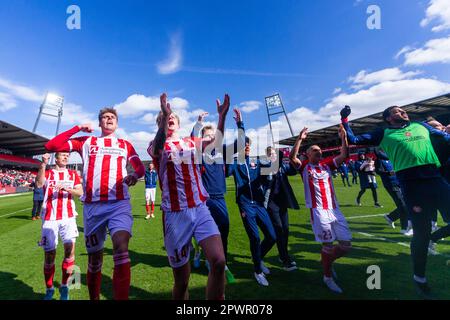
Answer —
329 225
102 217
150 194
66 228
179 228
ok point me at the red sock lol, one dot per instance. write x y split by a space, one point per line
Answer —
121 276
147 208
327 260
153 207
67 268
94 281
49 272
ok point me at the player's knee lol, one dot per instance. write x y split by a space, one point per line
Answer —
218 264
120 242
181 284
96 258
50 256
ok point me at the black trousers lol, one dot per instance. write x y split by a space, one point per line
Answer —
423 197
37 206
354 177
374 193
401 211
345 178
280 220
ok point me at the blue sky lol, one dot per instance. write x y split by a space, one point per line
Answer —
319 55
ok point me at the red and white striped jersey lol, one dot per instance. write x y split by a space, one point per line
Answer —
59 205
179 175
104 167
318 184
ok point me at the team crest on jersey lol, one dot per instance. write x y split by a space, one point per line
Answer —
93 150
408 134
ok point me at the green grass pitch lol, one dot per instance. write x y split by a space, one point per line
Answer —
374 243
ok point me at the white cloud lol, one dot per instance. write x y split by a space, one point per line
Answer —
175 57
403 51
438 10
138 104
21 92
363 78
7 102
250 106
149 118
337 90
435 50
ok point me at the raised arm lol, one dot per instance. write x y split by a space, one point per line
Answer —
222 109
437 133
63 143
344 147
373 138
161 136
293 156
196 130
40 178
232 148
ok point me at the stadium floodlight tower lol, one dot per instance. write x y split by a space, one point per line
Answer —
275 107
51 106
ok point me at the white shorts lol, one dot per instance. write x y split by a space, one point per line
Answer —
101 217
66 228
150 194
181 226
329 225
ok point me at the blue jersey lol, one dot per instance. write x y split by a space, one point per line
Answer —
343 169
384 167
150 179
248 181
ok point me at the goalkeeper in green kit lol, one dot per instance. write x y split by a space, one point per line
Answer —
409 147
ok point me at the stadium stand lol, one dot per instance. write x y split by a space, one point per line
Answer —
17 167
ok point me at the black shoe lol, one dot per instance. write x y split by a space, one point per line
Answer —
289 266
424 291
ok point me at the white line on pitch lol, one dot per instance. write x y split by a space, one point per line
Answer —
369 216
399 243
9 214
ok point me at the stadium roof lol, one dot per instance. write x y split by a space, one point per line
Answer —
437 107
20 141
